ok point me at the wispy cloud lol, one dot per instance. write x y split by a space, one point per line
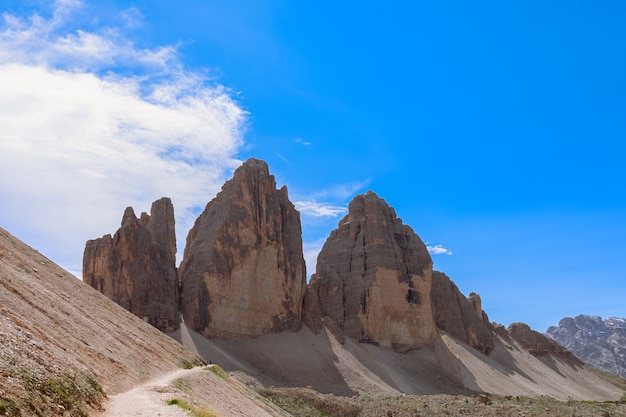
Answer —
285 160
91 124
344 191
438 250
313 208
303 142
337 192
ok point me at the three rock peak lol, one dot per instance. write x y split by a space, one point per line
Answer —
243 272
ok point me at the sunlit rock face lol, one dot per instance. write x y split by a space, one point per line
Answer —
243 271
136 267
458 316
374 276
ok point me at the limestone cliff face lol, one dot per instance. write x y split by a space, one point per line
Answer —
460 317
136 267
373 277
243 271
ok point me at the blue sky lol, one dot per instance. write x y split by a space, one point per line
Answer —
495 129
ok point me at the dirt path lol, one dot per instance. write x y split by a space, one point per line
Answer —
149 399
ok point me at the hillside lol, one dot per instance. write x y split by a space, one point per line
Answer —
64 346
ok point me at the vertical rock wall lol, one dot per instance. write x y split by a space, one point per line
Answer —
243 271
374 275
136 267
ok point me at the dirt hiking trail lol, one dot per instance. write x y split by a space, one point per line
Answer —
198 387
149 399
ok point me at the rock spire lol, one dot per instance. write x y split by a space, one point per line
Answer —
136 267
243 271
374 276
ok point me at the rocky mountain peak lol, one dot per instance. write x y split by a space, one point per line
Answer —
615 323
374 275
370 206
243 272
600 343
129 217
136 267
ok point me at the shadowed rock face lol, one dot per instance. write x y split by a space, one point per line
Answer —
460 317
243 272
373 277
136 267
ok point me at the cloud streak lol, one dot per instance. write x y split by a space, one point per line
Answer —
92 124
315 209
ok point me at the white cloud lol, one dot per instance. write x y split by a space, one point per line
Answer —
438 250
315 209
303 142
82 139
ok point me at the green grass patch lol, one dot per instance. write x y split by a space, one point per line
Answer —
187 363
297 408
217 370
9 408
196 412
64 393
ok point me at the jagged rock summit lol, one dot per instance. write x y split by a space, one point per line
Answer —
243 271
374 276
600 343
136 267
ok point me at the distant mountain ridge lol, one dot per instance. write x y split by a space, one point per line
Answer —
597 342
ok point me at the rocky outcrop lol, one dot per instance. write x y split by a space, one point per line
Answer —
534 342
460 317
600 343
136 267
373 277
243 271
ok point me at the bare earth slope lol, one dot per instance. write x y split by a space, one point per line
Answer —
65 347
340 366
56 331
